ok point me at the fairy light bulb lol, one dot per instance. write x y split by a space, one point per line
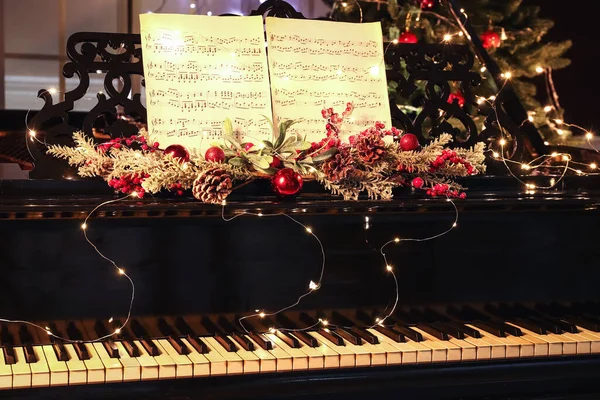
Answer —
589 135
312 285
117 331
209 13
121 271
559 121
395 41
539 69
483 69
84 226
548 109
52 90
530 118
32 133
447 37
344 4
495 154
560 131
389 268
397 240
262 314
308 230
593 166
502 142
374 70
554 154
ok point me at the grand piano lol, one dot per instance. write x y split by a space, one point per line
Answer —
506 306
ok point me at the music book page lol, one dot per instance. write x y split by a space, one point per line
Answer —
200 70
316 64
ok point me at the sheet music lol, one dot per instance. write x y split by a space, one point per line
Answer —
200 70
316 64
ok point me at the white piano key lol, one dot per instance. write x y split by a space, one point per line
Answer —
250 360
235 365
284 361
393 354
78 374
59 373
583 344
526 348
218 363
183 366
439 353
483 350
497 348
167 368
199 361
112 366
543 345
132 370
6 374
149 366
268 362
40 373
316 359
347 358
468 351
21 370
299 358
594 338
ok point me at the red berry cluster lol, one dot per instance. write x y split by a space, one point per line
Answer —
442 189
333 127
129 183
378 130
117 143
178 188
450 156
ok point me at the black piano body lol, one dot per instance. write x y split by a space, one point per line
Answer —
511 246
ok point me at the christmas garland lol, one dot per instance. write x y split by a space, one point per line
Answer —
373 162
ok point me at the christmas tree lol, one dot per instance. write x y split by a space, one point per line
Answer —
511 31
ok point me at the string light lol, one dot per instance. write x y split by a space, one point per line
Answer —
447 37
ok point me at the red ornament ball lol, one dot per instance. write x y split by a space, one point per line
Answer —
490 40
417 183
409 142
215 154
286 182
178 152
456 96
407 37
427 4
248 146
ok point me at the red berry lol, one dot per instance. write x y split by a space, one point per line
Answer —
180 192
215 154
417 183
248 146
409 142
276 163
144 147
463 195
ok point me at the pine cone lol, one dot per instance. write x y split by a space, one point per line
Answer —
212 186
370 148
339 166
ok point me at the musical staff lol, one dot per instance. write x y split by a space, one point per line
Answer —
317 64
200 71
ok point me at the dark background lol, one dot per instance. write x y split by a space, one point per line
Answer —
578 84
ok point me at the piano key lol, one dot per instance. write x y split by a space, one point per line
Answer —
408 332
489 327
268 362
496 348
185 330
331 336
234 364
168 331
362 355
365 335
345 357
132 370
168 366
100 330
441 351
78 374
390 355
254 334
218 363
284 361
408 354
113 369
202 366
9 354
541 347
424 353
583 344
143 337
150 369
21 370
85 352
449 330
299 358
289 339
6 374
349 336
243 341
251 362
464 329
390 333
32 355
184 368
593 337
59 373
316 359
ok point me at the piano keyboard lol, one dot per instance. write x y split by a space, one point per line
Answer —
151 348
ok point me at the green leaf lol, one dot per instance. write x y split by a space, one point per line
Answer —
232 140
228 127
306 160
268 144
283 128
237 162
302 145
325 155
270 123
262 162
268 171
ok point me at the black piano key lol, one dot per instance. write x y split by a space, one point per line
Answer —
210 326
9 354
530 325
198 344
364 318
307 339
366 335
436 333
408 332
111 348
465 329
30 356
546 324
289 339
172 337
489 327
255 334
183 327
225 342
391 333
131 348
25 335
226 325
307 319
449 330
144 338
350 336
332 336
60 351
